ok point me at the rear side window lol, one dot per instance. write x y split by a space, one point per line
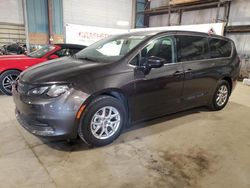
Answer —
220 48
192 48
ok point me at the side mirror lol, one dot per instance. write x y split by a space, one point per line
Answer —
155 62
53 56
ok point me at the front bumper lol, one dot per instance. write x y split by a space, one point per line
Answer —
53 118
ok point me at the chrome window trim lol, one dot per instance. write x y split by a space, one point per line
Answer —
176 62
210 59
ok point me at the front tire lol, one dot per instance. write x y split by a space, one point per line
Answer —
221 95
6 79
102 121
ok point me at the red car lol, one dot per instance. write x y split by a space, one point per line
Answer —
12 65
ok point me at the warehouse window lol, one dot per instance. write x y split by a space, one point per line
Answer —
220 48
192 48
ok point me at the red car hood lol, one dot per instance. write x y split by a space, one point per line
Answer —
18 62
14 56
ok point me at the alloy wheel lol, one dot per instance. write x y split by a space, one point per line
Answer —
8 81
105 122
222 95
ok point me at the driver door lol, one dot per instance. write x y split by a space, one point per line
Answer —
159 92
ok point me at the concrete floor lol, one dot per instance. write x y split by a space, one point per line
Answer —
196 148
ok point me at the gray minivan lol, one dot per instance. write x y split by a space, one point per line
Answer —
125 79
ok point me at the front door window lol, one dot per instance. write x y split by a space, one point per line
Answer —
162 48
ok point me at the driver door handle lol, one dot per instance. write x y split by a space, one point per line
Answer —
178 73
188 71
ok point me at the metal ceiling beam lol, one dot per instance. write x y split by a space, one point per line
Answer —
238 29
185 7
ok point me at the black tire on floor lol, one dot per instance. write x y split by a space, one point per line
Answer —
84 129
214 104
3 77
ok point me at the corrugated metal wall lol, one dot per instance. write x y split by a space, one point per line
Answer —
11 11
102 13
242 42
11 33
240 15
11 22
193 17
239 12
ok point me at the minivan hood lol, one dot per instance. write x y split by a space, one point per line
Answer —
58 70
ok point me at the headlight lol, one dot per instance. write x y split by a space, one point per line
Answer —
51 91
38 90
57 90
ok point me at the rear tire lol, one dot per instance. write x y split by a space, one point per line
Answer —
6 79
102 121
221 96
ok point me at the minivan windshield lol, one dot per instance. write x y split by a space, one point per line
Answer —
111 48
42 51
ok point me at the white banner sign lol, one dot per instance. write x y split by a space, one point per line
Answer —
86 35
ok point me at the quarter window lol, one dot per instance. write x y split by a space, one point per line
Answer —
192 48
135 61
220 48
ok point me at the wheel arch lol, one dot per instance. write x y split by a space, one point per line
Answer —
229 80
5 70
116 93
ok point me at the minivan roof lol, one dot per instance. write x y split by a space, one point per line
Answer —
176 32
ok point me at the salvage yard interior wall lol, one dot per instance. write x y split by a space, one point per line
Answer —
100 13
239 15
188 18
11 11
11 22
